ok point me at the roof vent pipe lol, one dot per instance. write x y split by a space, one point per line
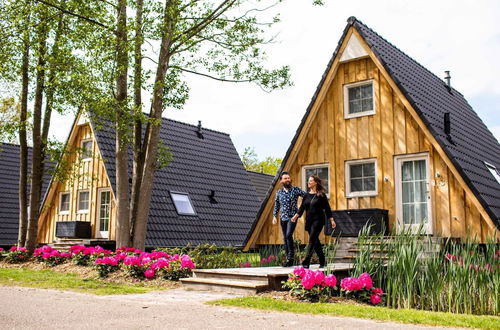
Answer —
447 77
447 124
199 132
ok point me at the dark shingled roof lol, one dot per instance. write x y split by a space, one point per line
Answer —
471 142
198 167
261 182
9 191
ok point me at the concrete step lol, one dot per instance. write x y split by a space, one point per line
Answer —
224 285
215 274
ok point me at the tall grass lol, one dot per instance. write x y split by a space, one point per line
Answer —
419 272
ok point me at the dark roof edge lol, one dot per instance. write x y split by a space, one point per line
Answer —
350 21
441 143
265 174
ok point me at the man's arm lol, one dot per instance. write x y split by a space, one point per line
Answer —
276 208
301 192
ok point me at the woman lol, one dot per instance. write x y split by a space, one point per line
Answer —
316 204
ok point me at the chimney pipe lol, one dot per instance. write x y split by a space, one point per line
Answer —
447 77
199 132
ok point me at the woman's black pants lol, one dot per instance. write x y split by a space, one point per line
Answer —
314 244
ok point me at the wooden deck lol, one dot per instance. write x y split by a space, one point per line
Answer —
250 280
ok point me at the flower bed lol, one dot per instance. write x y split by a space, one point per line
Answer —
136 263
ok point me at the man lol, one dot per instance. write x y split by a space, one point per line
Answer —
286 204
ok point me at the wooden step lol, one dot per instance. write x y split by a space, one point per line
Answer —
224 285
217 274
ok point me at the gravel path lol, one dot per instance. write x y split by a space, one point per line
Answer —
27 308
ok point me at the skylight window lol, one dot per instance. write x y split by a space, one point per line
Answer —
493 171
182 203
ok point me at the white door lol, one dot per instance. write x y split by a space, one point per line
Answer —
413 196
103 213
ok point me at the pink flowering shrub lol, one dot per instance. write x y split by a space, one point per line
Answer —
310 285
50 256
177 267
106 265
158 263
85 256
16 255
361 288
269 261
246 264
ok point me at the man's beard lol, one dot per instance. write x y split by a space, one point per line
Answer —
287 185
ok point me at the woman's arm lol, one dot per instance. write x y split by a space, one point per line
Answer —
328 212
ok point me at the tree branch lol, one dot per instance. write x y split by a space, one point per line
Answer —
75 14
209 76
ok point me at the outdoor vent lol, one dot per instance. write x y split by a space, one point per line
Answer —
447 124
211 197
199 132
447 77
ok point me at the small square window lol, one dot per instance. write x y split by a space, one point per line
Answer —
322 171
493 170
64 202
87 150
359 99
83 201
182 203
361 179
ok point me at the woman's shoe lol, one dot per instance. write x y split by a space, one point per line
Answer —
306 264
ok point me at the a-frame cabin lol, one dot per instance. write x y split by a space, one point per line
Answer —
384 132
204 195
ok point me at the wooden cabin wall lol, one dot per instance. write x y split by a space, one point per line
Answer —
89 175
391 131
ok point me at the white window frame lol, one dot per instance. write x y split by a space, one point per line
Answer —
88 159
83 211
190 201
493 170
368 193
60 202
308 167
348 115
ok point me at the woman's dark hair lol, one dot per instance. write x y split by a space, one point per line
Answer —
320 189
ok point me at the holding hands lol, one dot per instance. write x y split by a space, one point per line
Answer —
295 217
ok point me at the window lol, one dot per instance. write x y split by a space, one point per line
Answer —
182 203
493 170
83 201
64 201
359 99
86 150
320 170
361 178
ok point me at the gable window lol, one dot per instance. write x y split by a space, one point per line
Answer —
86 150
320 170
64 201
182 203
83 201
493 170
361 178
359 99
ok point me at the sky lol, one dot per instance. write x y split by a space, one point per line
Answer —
460 36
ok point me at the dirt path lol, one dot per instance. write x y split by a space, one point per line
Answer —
26 308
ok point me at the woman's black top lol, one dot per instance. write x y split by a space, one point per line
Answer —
316 207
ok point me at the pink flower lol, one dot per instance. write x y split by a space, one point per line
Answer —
366 281
377 291
12 249
299 271
331 280
1 249
66 255
271 258
22 249
186 262
150 273
375 299
47 248
263 261
308 281
319 277
246 264
351 284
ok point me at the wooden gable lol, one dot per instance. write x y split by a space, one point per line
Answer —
84 175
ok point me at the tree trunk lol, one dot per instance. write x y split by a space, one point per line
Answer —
153 131
122 118
23 144
138 155
36 158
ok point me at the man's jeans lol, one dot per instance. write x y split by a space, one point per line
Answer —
288 227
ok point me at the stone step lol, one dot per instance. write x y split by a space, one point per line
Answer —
223 285
217 274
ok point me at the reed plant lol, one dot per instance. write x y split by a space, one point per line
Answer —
417 271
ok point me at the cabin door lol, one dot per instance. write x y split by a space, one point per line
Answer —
413 197
103 213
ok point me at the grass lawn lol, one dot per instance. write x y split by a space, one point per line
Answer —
365 312
48 279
